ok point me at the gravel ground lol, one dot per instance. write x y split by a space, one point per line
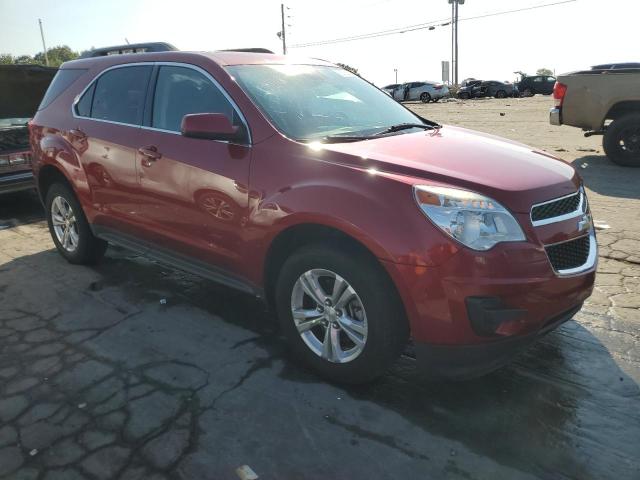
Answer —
99 378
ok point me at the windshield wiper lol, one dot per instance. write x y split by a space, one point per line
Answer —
345 138
406 126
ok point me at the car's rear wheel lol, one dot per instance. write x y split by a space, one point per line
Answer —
621 140
69 227
340 313
425 97
501 94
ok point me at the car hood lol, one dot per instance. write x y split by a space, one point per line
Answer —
512 173
23 87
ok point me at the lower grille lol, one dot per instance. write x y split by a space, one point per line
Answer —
571 254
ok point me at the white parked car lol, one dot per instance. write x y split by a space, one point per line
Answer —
423 91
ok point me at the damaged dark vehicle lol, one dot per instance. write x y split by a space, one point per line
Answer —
21 90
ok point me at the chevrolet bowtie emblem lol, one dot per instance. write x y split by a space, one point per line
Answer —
584 223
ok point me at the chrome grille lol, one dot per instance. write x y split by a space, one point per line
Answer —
559 209
569 255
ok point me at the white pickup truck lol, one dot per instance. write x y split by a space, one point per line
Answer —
603 101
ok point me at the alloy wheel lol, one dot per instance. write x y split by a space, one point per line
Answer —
329 316
64 224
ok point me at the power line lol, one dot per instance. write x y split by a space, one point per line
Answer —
421 26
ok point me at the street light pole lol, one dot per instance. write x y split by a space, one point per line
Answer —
396 71
44 47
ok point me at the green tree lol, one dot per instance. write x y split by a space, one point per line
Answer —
544 71
24 60
6 59
57 56
351 69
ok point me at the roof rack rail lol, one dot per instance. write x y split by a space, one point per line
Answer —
250 50
129 48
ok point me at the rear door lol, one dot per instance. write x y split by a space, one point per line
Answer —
193 192
108 118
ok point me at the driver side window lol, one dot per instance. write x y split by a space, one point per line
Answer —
181 91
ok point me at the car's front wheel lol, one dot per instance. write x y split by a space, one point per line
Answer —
340 313
621 140
425 97
69 227
501 94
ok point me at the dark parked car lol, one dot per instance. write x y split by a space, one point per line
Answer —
21 90
467 88
360 223
543 84
489 88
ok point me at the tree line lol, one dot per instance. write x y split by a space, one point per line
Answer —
57 56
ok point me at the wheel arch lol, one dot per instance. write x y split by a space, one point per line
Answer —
620 109
299 235
47 176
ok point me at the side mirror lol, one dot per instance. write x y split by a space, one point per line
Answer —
211 126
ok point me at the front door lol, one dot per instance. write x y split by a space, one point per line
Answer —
194 191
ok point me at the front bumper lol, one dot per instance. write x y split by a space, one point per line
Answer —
468 361
555 116
16 181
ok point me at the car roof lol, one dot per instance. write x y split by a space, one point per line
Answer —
222 58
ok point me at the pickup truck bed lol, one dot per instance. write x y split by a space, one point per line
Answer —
603 101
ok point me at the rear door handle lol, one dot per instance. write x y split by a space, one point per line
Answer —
78 134
150 154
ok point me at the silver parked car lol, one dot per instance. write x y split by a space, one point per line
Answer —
423 91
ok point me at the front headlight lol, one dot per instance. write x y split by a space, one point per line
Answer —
472 219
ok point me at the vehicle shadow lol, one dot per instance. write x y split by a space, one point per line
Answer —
20 208
607 178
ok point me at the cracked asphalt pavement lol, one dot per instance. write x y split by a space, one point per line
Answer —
134 370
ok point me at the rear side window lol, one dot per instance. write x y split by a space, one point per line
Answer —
63 80
83 107
181 91
119 95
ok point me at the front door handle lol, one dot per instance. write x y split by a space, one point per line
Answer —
149 155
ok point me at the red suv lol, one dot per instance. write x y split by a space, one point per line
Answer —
362 224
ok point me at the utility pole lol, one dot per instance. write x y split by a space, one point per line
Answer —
454 38
44 47
283 34
453 41
396 71
456 3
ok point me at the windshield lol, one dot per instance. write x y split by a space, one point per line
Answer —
310 102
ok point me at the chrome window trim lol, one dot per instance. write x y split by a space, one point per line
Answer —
589 264
567 216
144 127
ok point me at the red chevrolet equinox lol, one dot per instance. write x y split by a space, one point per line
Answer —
364 226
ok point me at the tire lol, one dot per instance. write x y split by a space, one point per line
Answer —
621 141
501 94
527 92
80 245
464 96
373 306
425 97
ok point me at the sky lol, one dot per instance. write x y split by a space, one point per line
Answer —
562 38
